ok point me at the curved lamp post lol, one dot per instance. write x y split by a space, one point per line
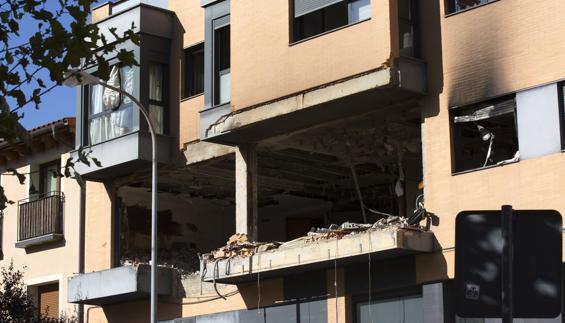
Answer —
75 77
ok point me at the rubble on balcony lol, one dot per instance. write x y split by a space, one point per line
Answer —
184 260
242 261
239 245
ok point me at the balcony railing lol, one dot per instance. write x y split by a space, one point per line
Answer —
40 215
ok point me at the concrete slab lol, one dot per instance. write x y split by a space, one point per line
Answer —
118 284
317 255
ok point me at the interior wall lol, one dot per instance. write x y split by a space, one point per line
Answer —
273 218
186 224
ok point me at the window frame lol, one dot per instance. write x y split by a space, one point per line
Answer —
451 115
218 24
188 70
292 25
414 23
561 105
450 10
164 94
42 173
87 92
407 292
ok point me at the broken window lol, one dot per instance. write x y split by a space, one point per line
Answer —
484 134
458 5
312 18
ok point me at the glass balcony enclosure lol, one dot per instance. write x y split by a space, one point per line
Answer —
110 113
109 124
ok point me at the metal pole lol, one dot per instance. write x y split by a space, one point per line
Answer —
507 264
81 240
153 199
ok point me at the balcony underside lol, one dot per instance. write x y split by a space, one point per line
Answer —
346 98
318 255
123 155
119 284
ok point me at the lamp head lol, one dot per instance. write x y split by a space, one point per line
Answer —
75 77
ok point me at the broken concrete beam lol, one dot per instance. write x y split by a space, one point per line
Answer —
302 256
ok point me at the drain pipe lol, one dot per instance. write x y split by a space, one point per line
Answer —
81 221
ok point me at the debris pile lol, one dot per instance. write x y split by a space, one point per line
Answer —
184 260
239 245
348 228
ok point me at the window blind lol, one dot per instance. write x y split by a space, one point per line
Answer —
302 7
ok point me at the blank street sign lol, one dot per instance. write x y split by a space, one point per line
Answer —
537 263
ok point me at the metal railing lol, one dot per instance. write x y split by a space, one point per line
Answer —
40 214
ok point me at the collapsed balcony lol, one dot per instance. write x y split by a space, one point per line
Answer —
365 173
331 195
349 244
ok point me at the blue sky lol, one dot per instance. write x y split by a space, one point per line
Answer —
58 103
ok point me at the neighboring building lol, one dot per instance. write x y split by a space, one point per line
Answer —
40 230
277 116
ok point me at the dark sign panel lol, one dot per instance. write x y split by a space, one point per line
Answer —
536 270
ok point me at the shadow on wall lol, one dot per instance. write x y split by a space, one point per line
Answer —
473 56
432 53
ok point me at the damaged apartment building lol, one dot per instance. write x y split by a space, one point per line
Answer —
312 155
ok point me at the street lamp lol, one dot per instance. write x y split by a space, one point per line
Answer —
75 77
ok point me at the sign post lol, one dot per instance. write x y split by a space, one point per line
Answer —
507 264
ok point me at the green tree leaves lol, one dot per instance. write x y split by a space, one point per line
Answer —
53 49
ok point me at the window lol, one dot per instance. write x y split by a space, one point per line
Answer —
458 5
404 309
222 74
110 113
312 18
193 70
44 180
50 181
1 233
484 134
157 97
561 100
48 301
407 27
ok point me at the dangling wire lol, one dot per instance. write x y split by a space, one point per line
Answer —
258 285
370 281
335 285
370 291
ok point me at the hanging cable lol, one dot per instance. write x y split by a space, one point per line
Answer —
258 288
216 271
335 284
370 281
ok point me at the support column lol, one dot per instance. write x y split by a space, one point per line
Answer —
246 191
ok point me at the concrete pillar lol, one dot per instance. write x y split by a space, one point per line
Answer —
246 191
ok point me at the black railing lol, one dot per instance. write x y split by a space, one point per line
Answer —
40 215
